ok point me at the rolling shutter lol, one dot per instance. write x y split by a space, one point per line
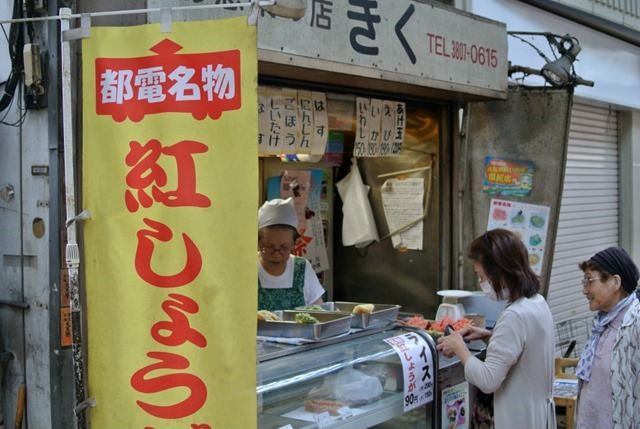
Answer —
589 217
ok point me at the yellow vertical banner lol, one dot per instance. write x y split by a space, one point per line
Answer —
170 176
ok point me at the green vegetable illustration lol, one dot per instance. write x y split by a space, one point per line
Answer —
537 221
519 218
535 240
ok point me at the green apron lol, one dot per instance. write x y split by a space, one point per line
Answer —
285 299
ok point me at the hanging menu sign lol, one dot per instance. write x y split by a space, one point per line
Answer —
292 121
380 127
417 369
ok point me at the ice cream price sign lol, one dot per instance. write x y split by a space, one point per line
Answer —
417 368
528 221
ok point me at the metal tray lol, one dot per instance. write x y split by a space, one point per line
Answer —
383 314
330 324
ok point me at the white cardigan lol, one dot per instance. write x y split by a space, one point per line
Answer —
519 366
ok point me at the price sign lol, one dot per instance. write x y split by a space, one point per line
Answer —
323 419
345 413
417 369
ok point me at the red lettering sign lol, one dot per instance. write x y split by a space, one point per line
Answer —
179 330
197 389
200 84
144 253
147 173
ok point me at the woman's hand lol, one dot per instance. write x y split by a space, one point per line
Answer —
452 344
474 333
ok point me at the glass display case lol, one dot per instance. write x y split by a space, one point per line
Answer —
358 377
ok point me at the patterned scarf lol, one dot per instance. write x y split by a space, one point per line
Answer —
600 322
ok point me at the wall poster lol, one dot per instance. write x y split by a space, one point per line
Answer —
528 221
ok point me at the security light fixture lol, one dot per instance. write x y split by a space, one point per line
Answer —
293 9
558 72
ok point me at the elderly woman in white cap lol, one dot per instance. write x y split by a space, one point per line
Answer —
609 368
284 281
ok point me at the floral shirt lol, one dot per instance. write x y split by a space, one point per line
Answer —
625 371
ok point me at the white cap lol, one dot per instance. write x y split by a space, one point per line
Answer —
278 212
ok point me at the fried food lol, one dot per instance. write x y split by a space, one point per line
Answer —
323 405
363 309
268 316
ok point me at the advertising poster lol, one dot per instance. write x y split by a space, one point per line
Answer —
170 180
455 407
507 177
308 190
529 222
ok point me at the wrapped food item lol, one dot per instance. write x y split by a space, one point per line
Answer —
268 316
349 387
363 309
323 405
306 318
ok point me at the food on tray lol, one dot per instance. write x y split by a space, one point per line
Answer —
268 316
457 324
312 308
363 309
418 321
306 318
323 405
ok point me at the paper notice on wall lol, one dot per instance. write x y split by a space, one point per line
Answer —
373 145
263 120
403 203
305 119
387 127
291 124
363 105
292 121
275 129
528 221
401 114
320 123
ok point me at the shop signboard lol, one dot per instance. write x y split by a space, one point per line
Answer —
169 250
407 41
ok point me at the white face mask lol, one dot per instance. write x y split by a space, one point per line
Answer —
491 294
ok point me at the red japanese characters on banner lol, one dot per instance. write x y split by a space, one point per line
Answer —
147 173
200 84
176 331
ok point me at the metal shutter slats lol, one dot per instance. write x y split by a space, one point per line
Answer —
589 211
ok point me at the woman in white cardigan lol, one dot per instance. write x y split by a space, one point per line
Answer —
518 367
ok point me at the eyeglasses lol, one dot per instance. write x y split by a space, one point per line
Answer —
285 248
586 282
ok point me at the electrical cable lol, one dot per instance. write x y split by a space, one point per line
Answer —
16 44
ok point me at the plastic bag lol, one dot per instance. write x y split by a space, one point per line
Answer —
358 225
349 386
